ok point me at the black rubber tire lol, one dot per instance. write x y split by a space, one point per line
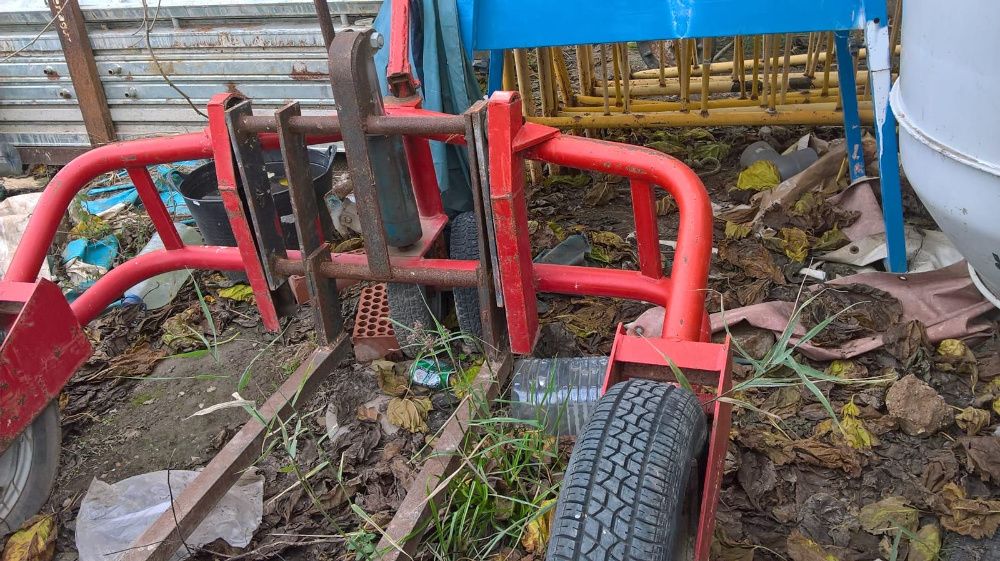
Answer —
410 308
464 244
632 480
44 467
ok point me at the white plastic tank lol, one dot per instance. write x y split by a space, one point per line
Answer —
949 124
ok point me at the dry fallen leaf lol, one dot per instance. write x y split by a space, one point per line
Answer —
664 205
599 194
888 515
954 356
972 420
735 231
983 456
392 378
238 292
35 541
783 402
536 533
856 434
847 369
795 243
752 258
801 548
409 413
927 545
976 518
759 176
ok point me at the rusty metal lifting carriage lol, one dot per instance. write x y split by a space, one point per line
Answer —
44 340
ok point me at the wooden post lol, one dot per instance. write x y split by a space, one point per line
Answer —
83 71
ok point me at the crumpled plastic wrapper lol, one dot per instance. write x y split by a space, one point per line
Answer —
112 516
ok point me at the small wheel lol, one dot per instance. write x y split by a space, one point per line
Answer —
464 244
28 470
630 490
413 309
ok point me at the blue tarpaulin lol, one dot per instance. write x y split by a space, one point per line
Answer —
447 84
167 178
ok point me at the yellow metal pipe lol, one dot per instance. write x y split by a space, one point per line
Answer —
604 75
509 71
750 117
584 65
784 67
775 40
616 67
706 75
523 71
895 24
828 62
716 84
684 80
626 71
544 61
593 103
811 50
739 67
661 46
562 73
724 67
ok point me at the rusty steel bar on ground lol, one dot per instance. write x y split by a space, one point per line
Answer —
381 124
193 504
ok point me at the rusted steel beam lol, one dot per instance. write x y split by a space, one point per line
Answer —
325 21
83 71
315 124
375 124
400 540
164 537
429 275
50 155
313 225
415 124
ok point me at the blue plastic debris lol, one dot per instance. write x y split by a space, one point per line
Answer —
100 253
167 178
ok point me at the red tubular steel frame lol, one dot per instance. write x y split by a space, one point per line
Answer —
510 140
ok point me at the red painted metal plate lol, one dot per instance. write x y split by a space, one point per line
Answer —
43 346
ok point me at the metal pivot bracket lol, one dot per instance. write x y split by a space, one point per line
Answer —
377 163
257 189
490 293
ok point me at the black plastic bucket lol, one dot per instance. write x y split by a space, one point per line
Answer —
200 190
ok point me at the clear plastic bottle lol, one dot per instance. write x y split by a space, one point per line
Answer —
161 289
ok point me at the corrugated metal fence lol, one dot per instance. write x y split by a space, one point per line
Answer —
270 51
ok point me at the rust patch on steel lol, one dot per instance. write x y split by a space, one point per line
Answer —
301 73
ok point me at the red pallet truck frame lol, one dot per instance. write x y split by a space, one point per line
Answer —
44 342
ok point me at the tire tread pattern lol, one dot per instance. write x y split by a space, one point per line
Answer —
626 481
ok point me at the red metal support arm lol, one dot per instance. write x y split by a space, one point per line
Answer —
65 185
647 167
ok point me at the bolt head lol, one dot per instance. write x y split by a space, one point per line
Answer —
377 40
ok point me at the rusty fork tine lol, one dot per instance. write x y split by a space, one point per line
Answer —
308 225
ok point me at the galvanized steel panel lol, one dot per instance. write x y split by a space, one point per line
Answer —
269 51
